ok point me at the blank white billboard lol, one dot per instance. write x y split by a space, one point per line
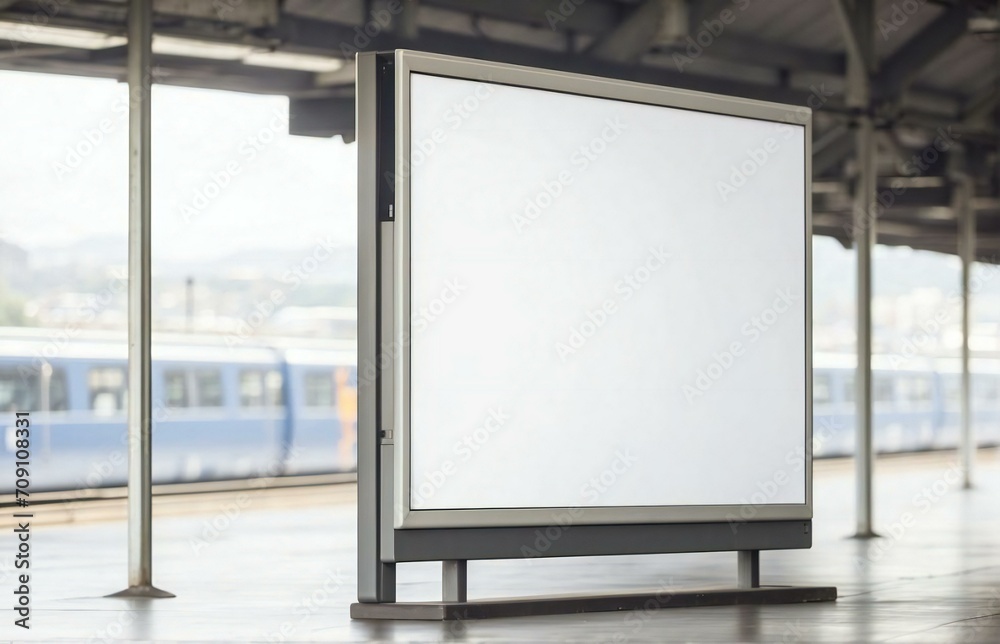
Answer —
607 302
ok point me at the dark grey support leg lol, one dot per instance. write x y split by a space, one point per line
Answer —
748 568
454 578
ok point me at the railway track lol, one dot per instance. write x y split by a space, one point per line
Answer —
109 504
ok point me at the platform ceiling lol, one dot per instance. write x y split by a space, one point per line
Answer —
937 73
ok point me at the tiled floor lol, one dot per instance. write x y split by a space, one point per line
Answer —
245 570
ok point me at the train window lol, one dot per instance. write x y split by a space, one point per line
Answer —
821 388
915 389
882 388
21 390
259 388
58 398
985 389
849 388
107 390
319 389
953 390
273 396
251 389
18 391
208 388
175 387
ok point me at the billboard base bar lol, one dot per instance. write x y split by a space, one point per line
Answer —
570 604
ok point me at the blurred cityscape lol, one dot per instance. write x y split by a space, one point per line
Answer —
83 286
917 311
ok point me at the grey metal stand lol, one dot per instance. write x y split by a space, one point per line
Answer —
456 606
454 581
382 351
748 569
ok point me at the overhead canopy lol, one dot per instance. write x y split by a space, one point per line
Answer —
935 91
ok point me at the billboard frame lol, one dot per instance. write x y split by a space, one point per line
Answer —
388 532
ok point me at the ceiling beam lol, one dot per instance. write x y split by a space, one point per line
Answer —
903 66
406 22
635 35
22 50
979 107
706 10
588 17
856 21
343 40
746 50
183 72
833 152
854 41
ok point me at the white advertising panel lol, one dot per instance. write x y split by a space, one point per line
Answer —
607 302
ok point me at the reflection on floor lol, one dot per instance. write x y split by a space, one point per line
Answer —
245 570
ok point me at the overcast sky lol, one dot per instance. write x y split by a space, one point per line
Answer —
63 169
58 188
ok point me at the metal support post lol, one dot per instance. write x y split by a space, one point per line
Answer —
857 20
748 569
454 578
966 217
864 225
140 398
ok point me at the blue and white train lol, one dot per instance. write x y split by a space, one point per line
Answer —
254 410
916 403
220 412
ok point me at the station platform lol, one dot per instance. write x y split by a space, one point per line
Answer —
279 566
